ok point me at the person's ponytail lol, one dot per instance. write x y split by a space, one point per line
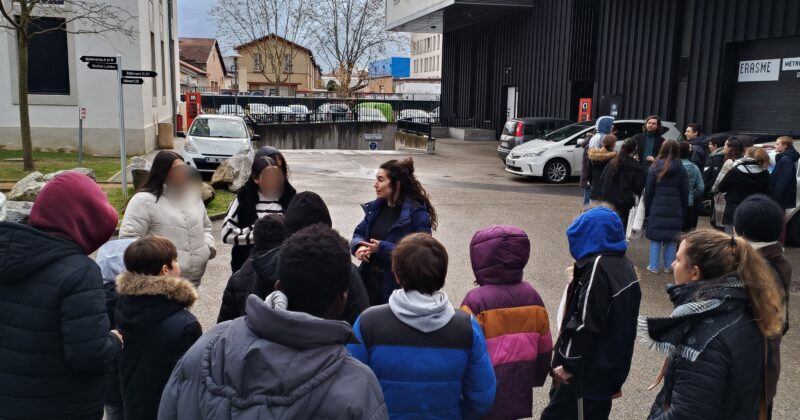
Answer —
766 299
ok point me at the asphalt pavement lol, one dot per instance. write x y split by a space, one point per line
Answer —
470 190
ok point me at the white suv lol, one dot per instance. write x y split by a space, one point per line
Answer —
559 155
214 138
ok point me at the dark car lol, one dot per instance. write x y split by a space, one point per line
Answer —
520 130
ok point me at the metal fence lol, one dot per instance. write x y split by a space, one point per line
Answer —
416 126
361 108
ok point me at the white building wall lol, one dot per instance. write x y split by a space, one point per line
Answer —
54 118
426 56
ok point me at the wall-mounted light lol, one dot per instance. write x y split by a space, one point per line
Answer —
507 70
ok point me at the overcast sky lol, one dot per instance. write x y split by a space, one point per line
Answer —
193 20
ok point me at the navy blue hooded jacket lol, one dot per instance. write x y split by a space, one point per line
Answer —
666 201
596 338
783 182
414 218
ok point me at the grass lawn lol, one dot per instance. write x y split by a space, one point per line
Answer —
46 162
218 205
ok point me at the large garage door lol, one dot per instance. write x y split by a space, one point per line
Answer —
766 97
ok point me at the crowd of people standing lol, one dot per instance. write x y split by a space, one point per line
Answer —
302 332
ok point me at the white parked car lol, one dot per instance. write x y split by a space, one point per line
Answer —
334 112
415 115
370 115
559 155
214 138
231 109
301 113
259 109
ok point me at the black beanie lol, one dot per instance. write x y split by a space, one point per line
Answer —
305 209
758 219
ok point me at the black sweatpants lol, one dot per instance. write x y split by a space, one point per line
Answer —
564 406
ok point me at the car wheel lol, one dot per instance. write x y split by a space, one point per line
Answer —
793 231
556 171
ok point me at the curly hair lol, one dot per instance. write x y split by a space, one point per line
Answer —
401 174
314 269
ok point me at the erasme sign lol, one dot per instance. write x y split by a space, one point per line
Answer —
759 70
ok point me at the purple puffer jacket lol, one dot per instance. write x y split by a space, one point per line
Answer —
512 316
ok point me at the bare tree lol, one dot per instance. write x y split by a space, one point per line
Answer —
348 34
23 19
242 21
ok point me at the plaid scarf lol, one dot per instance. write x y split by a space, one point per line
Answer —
703 310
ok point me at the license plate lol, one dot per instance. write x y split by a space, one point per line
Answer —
214 160
504 144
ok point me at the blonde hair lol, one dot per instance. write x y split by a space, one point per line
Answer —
785 140
759 155
717 254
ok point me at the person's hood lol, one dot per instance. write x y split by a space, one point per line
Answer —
110 258
305 209
422 312
601 155
73 207
406 211
147 300
499 254
718 151
749 166
596 230
274 357
604 124
791 153
700 140
25 250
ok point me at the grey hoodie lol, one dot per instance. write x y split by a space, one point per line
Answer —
422 312
272 364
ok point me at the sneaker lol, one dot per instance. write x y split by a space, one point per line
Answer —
652 270
667 271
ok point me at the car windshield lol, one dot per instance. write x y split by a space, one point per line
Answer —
339 108
369 111
219 128
564 132
510 128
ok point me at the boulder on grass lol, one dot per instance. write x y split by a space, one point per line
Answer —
26 189
18 211
140 170
208 192
86 171
232 173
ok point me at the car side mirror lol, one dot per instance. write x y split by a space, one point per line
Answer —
180 134
255 137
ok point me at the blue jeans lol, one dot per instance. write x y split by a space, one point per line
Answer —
670 249
586 196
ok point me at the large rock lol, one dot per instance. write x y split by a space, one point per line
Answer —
86 171
18 211
208 192
27 188
140 170
232 173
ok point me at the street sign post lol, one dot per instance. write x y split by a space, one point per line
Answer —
132 81
124 77
98 59
138 73
102 66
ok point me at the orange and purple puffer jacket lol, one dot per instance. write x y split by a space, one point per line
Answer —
512 316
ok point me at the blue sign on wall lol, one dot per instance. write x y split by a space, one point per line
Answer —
373 145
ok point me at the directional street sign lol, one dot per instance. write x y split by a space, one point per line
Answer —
132 81
138 73
98 59
102 66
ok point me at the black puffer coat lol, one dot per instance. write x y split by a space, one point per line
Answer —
255 270
598 161
743 180
726 380
621 188
153 317
666 201
55 343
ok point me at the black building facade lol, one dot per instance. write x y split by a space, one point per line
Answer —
727 64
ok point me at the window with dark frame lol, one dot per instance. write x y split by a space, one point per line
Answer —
48 58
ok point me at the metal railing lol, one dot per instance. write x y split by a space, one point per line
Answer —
417 126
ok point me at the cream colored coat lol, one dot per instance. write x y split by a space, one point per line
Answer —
183 221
